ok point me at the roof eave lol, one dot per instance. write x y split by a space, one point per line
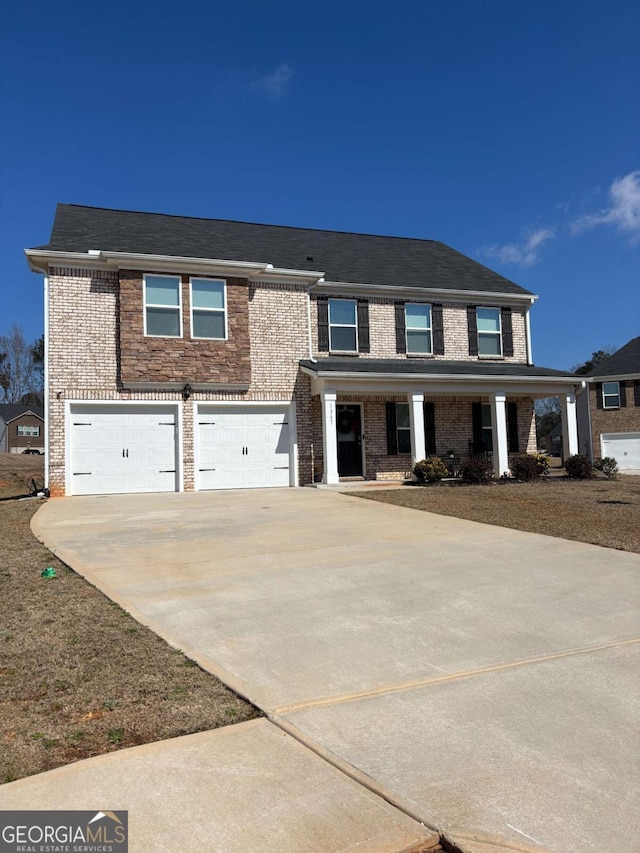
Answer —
457 294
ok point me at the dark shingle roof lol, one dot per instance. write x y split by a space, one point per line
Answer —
346 257
625 360
430 367
9 411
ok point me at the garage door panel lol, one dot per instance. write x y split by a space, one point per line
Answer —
624 447
123 448
243 447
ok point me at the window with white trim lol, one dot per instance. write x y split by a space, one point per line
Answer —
28 431
611 395
208 308
343 325
489 331
162 317
418 328
487 431
403 428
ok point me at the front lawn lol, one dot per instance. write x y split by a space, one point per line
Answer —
600 512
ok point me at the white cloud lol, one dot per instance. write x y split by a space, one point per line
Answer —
523 253
624 210
275 85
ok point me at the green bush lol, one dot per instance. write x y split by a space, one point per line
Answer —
476 471
578 467
608 466
529 466
430 470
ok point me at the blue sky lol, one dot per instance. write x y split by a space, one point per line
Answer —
510 131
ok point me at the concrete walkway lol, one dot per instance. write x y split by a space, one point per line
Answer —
480 678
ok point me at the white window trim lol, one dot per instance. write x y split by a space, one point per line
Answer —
30 433
402 429
617 395
407 328
343 325
146 305
498 333
224 311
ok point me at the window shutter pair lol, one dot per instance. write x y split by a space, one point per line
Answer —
437 329
429 429
507 331
362 320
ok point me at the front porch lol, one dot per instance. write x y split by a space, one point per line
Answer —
372 428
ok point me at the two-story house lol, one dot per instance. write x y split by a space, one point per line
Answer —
188 353
609 414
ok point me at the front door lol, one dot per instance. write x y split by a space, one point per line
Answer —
349 427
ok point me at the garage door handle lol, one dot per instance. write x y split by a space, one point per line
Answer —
280 467
172 471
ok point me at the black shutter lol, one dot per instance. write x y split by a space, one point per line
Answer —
472 324
437 329
363 325
599 395
323 324
476 425
623 393
507 332
392 434
401 338
636 392
513 445
429 428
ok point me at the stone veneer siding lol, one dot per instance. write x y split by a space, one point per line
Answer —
624 419
382 332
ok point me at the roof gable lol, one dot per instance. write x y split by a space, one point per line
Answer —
625 360
366 259
11 411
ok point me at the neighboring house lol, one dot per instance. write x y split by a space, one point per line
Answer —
190 353
21 427
552 441
609 415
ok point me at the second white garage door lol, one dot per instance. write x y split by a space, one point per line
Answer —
243 446
624 447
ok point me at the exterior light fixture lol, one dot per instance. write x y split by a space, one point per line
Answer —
186 391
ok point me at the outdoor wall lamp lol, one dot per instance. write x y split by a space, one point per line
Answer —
186 391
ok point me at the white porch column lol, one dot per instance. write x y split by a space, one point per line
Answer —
416 422
499 433
569 425
329 437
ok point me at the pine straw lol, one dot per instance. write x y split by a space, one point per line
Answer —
600 512
78 675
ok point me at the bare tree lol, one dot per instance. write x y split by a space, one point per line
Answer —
19 378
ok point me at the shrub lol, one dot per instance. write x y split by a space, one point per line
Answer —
430 470
608 466
477 471
578 467
529 466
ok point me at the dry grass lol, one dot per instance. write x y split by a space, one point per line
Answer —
78 675
600 512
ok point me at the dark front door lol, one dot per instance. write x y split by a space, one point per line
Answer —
349 429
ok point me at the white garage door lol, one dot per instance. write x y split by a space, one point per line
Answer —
624 447
123 448
243 446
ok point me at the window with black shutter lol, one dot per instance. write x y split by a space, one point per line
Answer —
513 444
507 332
363 325
472 325
429 428
437 329
323 324
401 339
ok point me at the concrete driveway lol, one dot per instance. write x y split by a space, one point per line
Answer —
482 679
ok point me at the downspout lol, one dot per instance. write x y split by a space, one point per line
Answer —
528 333
47 419
311 358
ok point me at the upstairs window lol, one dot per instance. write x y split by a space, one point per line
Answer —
418 328
611 395
208 308
489 331
162 306
343 325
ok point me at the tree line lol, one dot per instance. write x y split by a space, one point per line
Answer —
21 368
